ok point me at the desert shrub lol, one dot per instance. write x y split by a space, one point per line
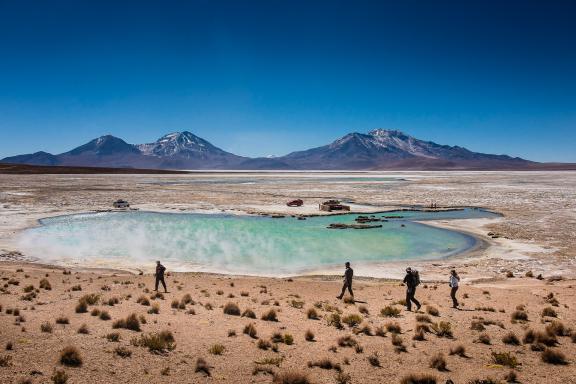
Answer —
83 329
423 319
390 311
297 304
312 314
511 377
175 304
393 328
422 327
433 311
552 356
95 312
363 310
511 339
547 338
104 315
347 341
232 309
250 330
270 316
309 335
46 327
217 349
519 316
76 288
443 329
352 320
143 300
244 294
458 350
113 337
123 352
418 379
154 309
157 295
90 299
156 342
343 378
264 344
288 339
5 360
477 326
59 377
419 336
324 364
249 313
365 329
9 346
290 377
81 307
131 322
45 284
28 288
549 311
380 331
484 339
70 356
62 320
202 366
504 358
398 343
438 362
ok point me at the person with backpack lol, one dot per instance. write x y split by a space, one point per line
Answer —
160 269
454 282
412 280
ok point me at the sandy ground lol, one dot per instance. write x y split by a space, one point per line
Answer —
537 233
34 354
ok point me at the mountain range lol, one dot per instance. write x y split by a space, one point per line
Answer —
379 149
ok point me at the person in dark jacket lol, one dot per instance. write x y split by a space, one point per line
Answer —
411 282
160 269
347 281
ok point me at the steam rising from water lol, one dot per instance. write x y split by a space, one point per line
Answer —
219 243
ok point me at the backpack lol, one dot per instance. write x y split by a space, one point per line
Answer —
416 276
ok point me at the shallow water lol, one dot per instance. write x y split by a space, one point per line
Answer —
239 244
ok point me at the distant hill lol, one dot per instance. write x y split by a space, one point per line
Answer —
379 149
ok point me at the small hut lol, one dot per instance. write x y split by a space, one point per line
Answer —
333 205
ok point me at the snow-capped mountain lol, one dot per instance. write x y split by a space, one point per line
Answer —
377 149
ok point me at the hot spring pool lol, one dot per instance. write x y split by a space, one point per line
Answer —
239 244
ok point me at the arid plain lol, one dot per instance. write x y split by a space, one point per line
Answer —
511 320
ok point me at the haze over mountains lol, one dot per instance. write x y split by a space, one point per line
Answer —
379 149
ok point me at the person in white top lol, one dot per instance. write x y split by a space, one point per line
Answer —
454 282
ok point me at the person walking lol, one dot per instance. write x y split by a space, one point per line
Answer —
454 282
347 281
160 269
412 279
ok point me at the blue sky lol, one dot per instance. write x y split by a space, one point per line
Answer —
269 77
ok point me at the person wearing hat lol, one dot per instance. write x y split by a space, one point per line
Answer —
347 281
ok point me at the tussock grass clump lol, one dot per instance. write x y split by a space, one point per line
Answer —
104 315
83 329
59 377
309 335
143 300
349 300
347 341
90 299
175 304
264 344
365 329
262 369
131 322
46 327
443 329
324 364
511 339
288 339
154 309
123 352
557 328
270 316
433 311
419 336
244 294
398 343
423 319
76 288
95 312
202 367
519 316
335 320
552 356
158 343
393 328
390 311
438 362
380 331
505 359
290 377
484 338
250 330
418 379
113 337
487 380
70 356
421 327
217 349
187 299
62 320
297 304
312 314
45 284
549 311
232 309
511 377
5 360
363 310
249 313
374 360
352 320
458 350
545 338
81 307
157 295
